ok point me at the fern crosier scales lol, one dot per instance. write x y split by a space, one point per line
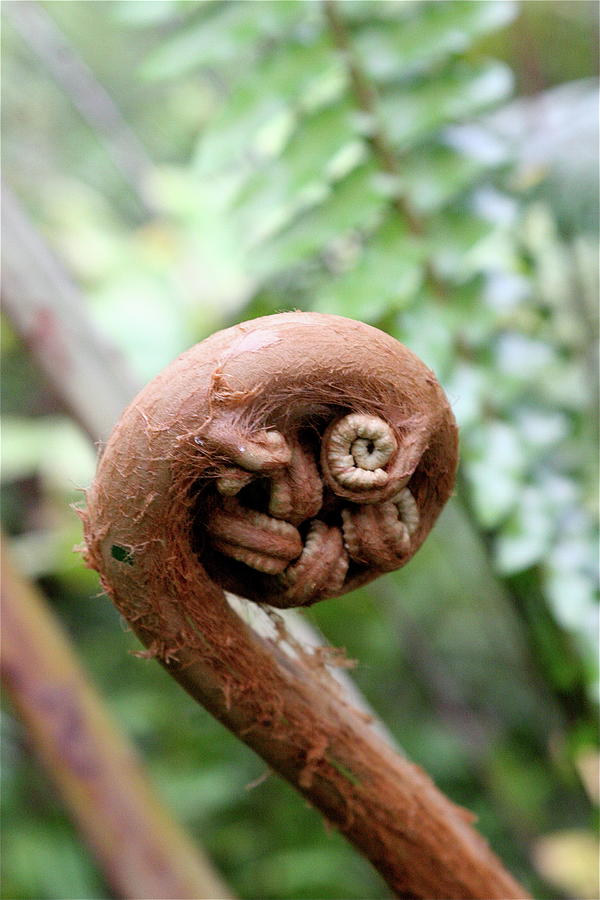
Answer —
287 459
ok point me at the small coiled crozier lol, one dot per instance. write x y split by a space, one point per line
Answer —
287 459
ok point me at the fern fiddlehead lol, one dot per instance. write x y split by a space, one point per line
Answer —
247 466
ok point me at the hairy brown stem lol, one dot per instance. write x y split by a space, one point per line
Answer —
201 489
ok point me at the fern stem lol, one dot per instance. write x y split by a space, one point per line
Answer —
366 100
156 494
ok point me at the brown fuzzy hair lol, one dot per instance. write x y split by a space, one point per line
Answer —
155 493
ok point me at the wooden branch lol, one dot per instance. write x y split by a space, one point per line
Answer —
142 852
168 528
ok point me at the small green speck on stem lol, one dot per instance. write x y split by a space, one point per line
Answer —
121 554
343 770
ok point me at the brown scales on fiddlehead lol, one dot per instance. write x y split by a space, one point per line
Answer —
356 450
261 542
307 453
341 479
380 534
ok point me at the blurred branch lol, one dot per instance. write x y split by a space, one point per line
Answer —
141 850
47 311
525 40
552 648
366 100
40 32
553 658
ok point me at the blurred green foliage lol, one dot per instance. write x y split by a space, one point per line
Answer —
266 192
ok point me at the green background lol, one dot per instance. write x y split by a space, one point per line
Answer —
249 183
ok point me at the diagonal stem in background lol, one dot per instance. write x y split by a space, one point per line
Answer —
47 311
39 31
366 100
141 850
